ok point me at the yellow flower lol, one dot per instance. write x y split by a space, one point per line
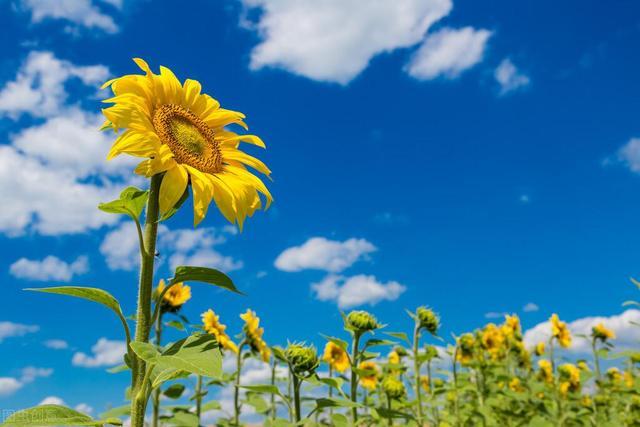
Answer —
493 340
424 382
560 331
583 366
464 353
586 401
614 374
628 379
182 133
213 326
515 385
546 372
335 357
394 358
253 334
539 350
511 327
602 333
371 380
177 294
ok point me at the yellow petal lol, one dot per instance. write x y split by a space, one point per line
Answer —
202 194
172 188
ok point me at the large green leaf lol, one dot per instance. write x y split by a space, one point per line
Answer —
206 275
54 415
91 294
198 354
131 202
174 391
159 375
145 351
117 412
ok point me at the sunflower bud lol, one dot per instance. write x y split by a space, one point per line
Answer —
428 319
361 322
301 358
393 387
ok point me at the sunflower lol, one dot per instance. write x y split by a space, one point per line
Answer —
336 357
182 133
601 332
465 351
569 378
539 350
546 371
511 327
213 326
560 331
253 334
493 340
369 380
175 297
425 383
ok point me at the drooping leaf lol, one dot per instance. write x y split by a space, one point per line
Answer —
400 335
198 354
206 275
262 388
131 202
54 415
176 325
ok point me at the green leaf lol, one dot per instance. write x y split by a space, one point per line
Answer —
54 415
336 403
118 369
258 403
160 376
340 420
198 354
131 202
211 405
145 351
175 324
262 388
174 391
206 275
183 419
117 412
91 294
374 342
337 341
400 335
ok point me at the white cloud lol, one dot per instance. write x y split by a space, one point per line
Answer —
39 86
49 268
55 172
10 329
494 315
627 334
52 400
8 386
509 77
104 353
356 290
319 253
530 307
334 40
629 155
84 408
448 52
79 12
56 344
180 247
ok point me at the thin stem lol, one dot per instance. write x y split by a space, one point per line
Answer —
236 393
274 410
416 368
296 396
596 361
455 385
354 375
145 289
390 419
156 392
330 392
290 394
199 398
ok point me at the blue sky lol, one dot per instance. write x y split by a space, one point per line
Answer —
471 157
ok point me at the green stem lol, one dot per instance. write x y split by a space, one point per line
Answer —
274 410
145 289
156 392
596 361
390 419
296 396
354 375
330 392
416 368
199 398
455 386
236 392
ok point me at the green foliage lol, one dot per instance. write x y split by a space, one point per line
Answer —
54 415
205 275
131 202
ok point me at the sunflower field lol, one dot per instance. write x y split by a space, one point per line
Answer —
369 374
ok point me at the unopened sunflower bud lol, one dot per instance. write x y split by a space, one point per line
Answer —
428 319
362 321
301 358
393 387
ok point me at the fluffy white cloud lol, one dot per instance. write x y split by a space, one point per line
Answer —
627 334
356 290
334 40
52 400
319 253
83 13
530 307
629 155
84 408
9 385
509 77
10 329
56 344
104 353
49 268
448 52
39 86
180 247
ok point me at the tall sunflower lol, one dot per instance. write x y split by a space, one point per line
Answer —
182 133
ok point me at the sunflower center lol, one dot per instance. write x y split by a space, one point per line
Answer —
191 141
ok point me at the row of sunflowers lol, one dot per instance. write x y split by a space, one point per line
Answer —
487 377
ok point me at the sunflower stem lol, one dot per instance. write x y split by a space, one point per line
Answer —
354 375
236 392
416 368
156 392
145 289
296 396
